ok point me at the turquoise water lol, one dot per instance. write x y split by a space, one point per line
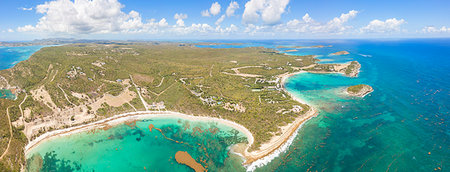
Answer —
401 126
7 94
9 56
135 148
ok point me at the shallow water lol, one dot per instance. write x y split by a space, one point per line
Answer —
133 147
7 94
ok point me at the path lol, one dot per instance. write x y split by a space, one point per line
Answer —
132 107
53 78
139 93
238 73
10 134
158 94
20 108
160 82
65 95
210 70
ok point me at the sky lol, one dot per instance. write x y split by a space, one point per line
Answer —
223 19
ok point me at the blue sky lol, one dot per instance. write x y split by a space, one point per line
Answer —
202 19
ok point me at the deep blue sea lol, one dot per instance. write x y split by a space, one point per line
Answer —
401 126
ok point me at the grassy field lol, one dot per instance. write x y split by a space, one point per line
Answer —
185 78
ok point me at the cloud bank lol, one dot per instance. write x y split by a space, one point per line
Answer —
258 18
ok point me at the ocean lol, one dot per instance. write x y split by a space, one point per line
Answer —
9 56
401 126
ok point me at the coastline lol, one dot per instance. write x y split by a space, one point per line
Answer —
278 144
267 151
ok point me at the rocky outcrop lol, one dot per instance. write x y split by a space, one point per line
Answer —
352 70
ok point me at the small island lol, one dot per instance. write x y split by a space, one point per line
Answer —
340 53
360 90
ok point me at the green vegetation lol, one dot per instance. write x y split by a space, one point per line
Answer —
356 88
359 90
353 65
113 89
14 157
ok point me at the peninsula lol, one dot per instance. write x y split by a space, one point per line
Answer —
77 84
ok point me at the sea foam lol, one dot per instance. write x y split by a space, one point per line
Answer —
267 159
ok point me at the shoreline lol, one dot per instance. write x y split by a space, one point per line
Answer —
282 143
267 151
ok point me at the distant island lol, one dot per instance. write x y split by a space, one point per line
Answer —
360 90
340 53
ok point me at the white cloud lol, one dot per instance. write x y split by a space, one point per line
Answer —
106 16
26 9
84 16
378 26
307 18
220 20
432 29
205 13
308 25
213 10
268 10
232 8
163 23
260 17
180 18
230 29
26 28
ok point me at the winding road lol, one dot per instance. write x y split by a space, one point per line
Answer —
10 133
